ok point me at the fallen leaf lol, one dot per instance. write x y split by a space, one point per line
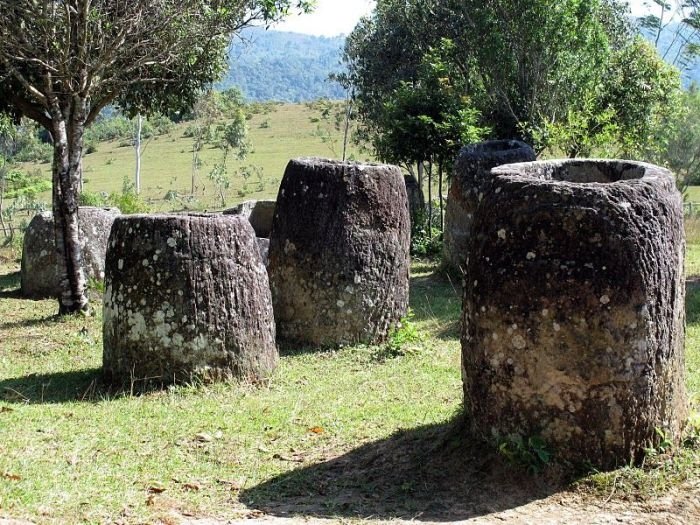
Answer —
316 430
203 437
293 459
156 489
235 485
11 477
191 486
4 410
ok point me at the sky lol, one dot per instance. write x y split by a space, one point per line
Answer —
333 17
330 18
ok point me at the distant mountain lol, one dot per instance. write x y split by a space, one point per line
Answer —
289 67
293 67
669 47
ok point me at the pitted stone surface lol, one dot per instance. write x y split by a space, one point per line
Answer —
573 315
258 213
339 262
264 247
470 180
186 296
41 269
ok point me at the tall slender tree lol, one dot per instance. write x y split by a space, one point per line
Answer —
63 61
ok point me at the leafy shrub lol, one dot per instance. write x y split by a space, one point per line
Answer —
531 453
128 201
91 198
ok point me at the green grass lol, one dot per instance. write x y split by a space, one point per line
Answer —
72 450
167 160
355 432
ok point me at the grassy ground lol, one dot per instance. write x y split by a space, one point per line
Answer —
285 132
356 432
71 450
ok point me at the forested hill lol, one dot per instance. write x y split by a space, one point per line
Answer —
289 67
293 67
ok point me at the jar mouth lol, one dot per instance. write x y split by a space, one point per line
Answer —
581 171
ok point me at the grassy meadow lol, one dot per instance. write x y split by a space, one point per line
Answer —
277 132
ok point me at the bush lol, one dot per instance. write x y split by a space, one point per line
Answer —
128 201
91 198
426 240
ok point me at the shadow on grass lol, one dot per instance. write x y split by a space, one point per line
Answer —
430 473
28 323
87 385
10 285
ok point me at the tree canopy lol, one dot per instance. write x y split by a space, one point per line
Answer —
63 61
528 67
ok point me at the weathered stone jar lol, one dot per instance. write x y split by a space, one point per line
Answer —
41 270
339 252
573 316
186 296
470 180
258 213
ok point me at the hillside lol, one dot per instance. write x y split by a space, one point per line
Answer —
293 67
287 67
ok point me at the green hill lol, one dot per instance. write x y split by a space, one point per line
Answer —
288 67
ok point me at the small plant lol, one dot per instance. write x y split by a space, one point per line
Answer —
531 453
93 198
128 201
664 445
400 339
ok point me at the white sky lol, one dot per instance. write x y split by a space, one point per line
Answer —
333 17
330 18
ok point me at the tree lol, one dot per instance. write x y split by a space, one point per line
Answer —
680 21
523 63
63 61
426 121
232 137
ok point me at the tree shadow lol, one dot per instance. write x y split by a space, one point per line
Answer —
28 323
430 473
10 285
87 385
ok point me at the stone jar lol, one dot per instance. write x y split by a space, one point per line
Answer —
41 270
471 178
573 315
339 252
186 297
258 213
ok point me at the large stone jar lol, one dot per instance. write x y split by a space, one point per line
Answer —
41 268
573 318
339 252
471 178
186 297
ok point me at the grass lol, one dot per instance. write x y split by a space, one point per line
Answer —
284 133
351 432
72 450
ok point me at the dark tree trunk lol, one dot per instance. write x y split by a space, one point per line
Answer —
430 199
66 170
442 203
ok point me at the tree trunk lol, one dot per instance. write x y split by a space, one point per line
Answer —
2 198
66 169
137 147
430 200
442 204
346 132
